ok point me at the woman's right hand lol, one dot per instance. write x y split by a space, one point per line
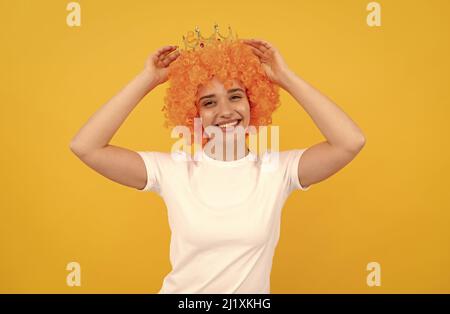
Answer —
157 64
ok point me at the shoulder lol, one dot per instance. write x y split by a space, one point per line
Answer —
166 157
284 155
277 160
162 160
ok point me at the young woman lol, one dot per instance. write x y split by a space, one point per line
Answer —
224 210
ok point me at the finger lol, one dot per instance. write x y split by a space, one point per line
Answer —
257 46
165 50
168 47
252 42
173 56
263 48
257 52
170 58
256 41
165 54
161 50
168 53
263 43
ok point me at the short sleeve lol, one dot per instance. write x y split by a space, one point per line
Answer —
293 164
151 166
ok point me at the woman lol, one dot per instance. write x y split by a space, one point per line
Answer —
224 209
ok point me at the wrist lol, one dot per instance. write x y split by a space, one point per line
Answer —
287 78
148 78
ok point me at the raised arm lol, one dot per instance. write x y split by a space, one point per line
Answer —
91 143
344 139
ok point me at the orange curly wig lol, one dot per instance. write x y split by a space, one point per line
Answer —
227 61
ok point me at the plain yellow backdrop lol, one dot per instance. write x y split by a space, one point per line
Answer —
390 205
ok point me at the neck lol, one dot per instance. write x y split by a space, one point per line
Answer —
235 156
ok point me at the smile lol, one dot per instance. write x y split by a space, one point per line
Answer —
229 126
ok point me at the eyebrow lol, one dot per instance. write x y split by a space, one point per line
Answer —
229 92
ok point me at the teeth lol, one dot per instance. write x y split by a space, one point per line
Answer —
229 124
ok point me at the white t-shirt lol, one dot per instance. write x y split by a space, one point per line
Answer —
224 217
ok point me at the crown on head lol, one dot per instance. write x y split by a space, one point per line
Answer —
195 41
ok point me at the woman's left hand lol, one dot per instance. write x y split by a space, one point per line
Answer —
271 60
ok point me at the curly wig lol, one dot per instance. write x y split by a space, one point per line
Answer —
226 61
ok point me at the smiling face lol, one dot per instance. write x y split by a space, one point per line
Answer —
221 107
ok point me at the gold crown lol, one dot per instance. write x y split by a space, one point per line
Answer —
194 41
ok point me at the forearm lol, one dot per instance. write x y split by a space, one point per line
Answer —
104 123
337 127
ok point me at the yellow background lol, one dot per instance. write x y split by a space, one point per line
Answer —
389 205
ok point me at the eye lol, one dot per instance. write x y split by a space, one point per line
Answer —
210 102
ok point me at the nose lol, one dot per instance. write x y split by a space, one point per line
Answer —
225 108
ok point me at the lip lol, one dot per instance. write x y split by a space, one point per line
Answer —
230 129
229 121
